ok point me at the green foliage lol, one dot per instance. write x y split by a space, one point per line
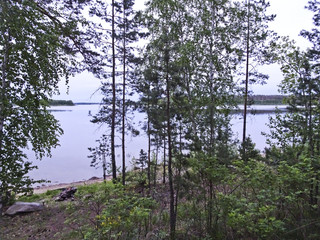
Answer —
294 136
125 217
33 59
48 195
252 202
137 177
89 202
100 153
247 200
250 151
114 212
201 211
142 160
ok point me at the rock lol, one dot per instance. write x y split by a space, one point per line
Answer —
24 207
93 178
67 193
87 196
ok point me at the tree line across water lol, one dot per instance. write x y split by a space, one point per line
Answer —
254 99
52 102
198 60
264 100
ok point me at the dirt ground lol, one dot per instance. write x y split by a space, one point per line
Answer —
43 225
47 224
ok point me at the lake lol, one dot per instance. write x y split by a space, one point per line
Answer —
69 162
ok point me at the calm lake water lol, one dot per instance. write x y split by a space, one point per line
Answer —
70 163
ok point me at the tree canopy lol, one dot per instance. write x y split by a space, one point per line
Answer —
37 46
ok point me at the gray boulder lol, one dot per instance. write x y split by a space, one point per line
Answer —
66 194
24 207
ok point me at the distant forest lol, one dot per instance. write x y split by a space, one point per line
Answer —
60 103
265 100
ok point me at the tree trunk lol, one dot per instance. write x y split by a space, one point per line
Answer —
6 36
113 155
246 85
124 97
211 148
314 185
156 165
164 161
149 148
104 166
170 173
210 209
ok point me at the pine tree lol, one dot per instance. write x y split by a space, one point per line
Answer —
117 60
256 38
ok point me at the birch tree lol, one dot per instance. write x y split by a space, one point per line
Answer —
37 42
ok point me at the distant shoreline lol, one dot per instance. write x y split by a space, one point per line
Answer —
58 103
45 188
263 99
52 102
86 103
262 110
258 108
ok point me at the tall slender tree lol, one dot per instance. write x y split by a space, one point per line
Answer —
256 39
120 25
113 74
107 72
125 20
163 20
129 25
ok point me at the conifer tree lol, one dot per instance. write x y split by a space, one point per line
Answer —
256 38
114 54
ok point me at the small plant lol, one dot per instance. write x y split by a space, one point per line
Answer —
139 176
125 217
99 155
109 211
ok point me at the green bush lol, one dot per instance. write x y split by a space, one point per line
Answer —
109 211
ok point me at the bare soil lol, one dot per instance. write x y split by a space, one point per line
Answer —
46 224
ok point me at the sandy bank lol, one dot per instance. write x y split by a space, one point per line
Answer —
43 189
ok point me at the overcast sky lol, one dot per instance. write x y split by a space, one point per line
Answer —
291 18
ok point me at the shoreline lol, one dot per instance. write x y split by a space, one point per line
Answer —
45 188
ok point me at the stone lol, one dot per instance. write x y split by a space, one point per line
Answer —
67 193
87 196
24 207
93 178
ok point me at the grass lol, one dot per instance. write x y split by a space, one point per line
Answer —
40 197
